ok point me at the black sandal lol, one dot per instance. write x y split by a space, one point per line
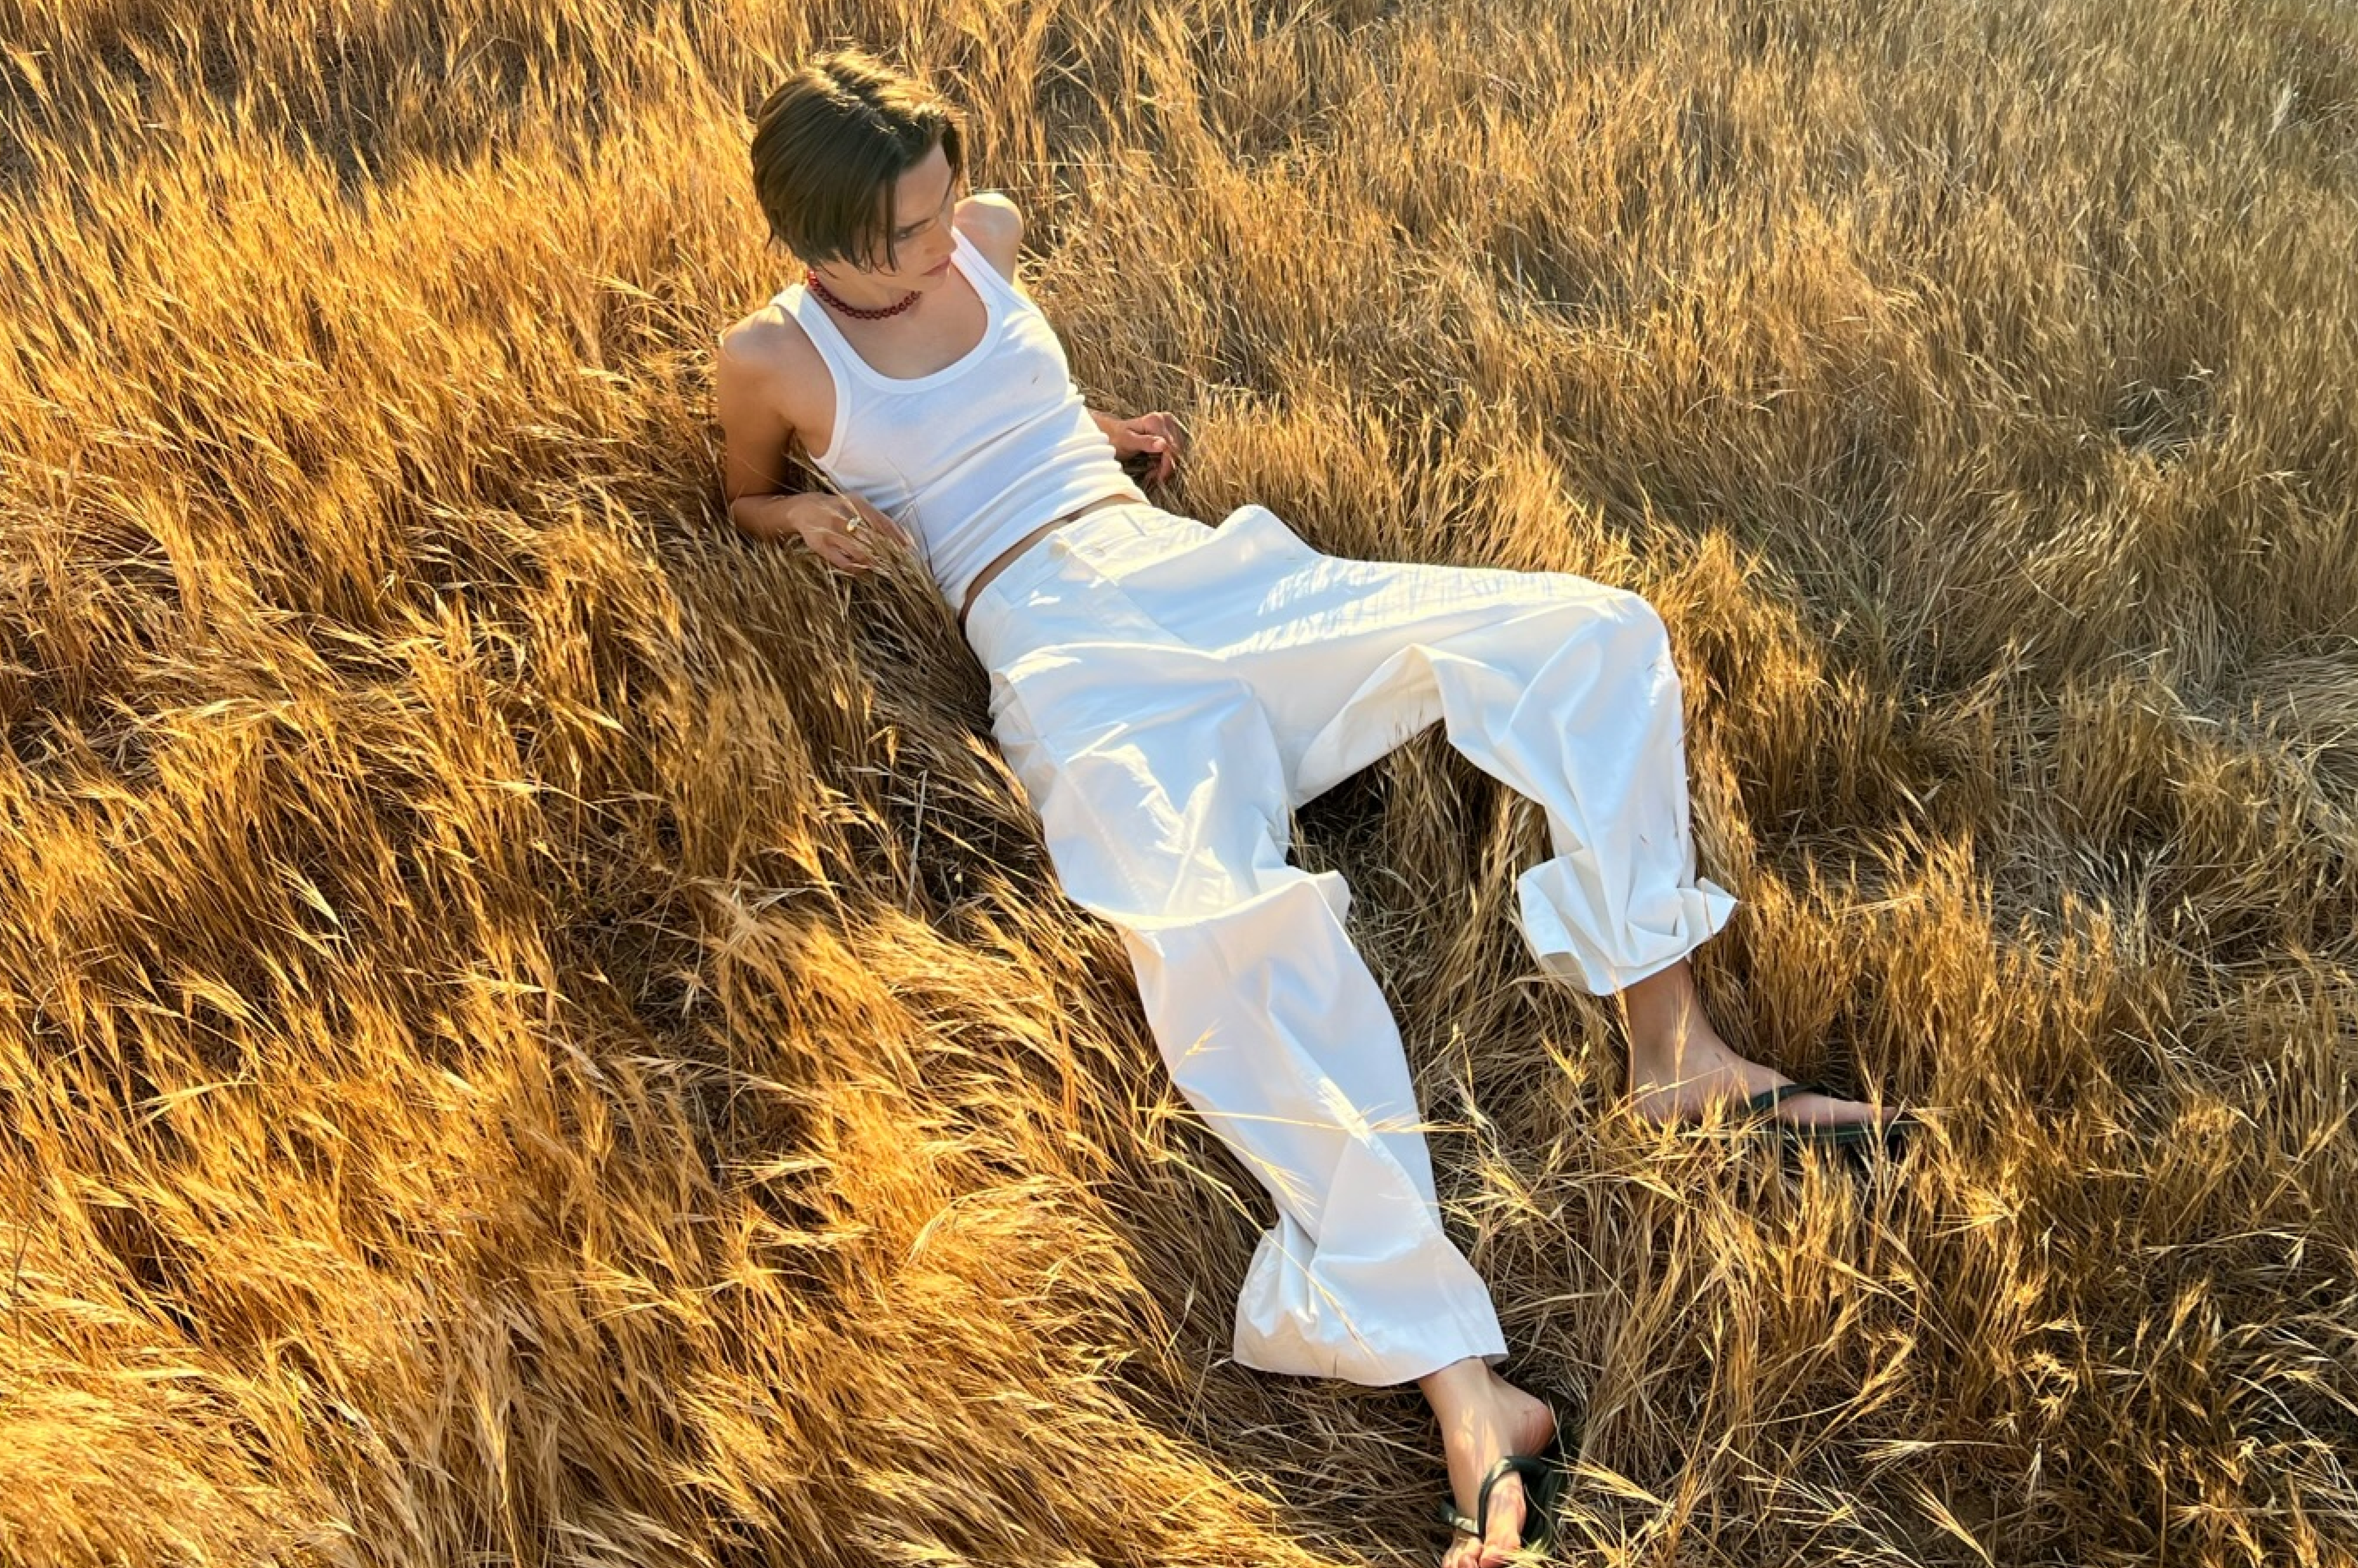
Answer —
1838 1135
1542 1475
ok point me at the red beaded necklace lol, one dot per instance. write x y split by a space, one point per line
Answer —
810 277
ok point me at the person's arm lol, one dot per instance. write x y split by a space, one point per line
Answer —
766 499
1157 435
995 226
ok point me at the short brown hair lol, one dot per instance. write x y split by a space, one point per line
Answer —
830 143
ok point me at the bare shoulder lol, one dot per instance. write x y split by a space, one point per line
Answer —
764 344
767 360
992 221
770 386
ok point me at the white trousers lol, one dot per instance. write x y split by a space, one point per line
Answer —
1166 692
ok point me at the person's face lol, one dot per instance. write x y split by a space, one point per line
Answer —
924 201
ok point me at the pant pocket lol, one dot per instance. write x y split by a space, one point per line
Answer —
1266 532
1143 540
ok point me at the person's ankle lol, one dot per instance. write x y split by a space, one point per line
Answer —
1456 1383
1655 1060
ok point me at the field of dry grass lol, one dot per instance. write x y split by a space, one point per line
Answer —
537 1031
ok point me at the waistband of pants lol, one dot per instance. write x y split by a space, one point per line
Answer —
1105 538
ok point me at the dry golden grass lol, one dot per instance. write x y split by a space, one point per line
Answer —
536 1031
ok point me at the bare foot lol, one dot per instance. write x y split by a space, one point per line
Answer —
1680 1067
1482 1417
1682 1100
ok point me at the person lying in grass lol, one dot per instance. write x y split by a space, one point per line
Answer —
1168 692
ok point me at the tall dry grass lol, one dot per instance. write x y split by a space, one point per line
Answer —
536 1031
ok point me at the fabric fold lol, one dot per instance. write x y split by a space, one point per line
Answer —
1167 695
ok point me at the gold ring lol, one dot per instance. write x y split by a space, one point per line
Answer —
851 526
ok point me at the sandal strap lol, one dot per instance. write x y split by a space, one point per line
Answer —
1541 1474
1832 1135
1890 1140
1532 1470
1769 1099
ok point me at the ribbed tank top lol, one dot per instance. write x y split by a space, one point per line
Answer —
975 456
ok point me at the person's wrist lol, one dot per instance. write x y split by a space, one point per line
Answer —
765 516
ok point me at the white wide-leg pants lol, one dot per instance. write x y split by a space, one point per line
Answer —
1167 692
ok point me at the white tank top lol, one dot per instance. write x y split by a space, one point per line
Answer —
975 456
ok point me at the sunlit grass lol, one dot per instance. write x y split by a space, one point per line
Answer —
535 1030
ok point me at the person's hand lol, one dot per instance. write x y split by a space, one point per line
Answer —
1157 436
841 530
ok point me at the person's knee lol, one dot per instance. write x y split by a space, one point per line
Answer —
1633 616
1643 636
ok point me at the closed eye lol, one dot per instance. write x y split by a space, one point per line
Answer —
949 200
